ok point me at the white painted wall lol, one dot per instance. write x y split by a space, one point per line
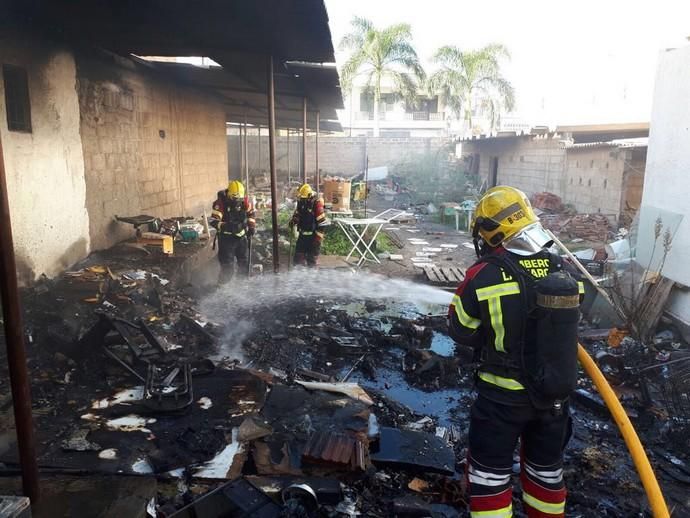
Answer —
45 168
667 176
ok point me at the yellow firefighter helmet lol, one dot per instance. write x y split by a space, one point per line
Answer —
305 192
236 189
502 214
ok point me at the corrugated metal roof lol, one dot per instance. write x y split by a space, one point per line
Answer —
639 142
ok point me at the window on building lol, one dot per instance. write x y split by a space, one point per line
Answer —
607 165
571 181
17 103
589 182
606 182
522 159
577 163
591 164
580 180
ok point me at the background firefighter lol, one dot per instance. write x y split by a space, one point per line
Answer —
310 219
528 358
233 217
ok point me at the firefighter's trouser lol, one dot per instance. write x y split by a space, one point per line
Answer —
231 247
494 432
307 249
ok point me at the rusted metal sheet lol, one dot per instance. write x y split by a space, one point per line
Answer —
336 448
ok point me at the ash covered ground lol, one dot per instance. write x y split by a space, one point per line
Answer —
251 347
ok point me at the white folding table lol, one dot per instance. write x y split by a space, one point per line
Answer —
356 231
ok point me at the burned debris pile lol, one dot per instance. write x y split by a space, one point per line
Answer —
302 402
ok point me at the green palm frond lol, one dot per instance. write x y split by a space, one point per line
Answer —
386 52
462 73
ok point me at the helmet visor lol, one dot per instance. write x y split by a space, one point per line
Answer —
529 241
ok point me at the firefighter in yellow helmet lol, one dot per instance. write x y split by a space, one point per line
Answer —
233 218
518 308
310 220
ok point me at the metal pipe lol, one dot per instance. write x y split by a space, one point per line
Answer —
16 354
317 177
272 162
304 140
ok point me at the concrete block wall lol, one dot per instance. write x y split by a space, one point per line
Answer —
594 179
531 165
150 147
45 168
337 155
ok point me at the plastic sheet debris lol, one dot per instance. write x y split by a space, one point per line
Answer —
123 397
108 454
205 403
221 464
130 423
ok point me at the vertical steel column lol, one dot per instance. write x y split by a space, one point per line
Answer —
288 158
316 156
246 157
258 132
16 355
272 162
304 140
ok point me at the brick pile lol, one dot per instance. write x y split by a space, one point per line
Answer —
547 201
590 227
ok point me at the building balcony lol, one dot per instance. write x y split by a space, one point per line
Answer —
396 116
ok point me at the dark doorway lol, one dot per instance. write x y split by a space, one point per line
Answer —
493 171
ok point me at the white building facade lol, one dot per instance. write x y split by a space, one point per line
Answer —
667 178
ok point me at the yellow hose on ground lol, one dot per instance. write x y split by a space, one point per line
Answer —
644 468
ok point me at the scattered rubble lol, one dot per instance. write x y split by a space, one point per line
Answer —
335 406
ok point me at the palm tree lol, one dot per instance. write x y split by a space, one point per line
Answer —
379 54
462 75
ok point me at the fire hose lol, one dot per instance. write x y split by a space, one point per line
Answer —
632 441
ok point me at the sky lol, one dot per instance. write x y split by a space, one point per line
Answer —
577 62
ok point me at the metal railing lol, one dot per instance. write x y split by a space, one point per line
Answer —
401 116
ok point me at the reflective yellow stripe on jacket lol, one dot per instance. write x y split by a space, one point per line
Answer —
493 294
500 381
464 318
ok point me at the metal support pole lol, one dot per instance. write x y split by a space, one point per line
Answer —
246 157
317 177
272 162
288 159
16 355
241 153
258 132
304 140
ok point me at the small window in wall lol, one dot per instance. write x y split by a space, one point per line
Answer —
607 165
589 182
571 181
577 163
580 180
591 164
606 182
17 103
